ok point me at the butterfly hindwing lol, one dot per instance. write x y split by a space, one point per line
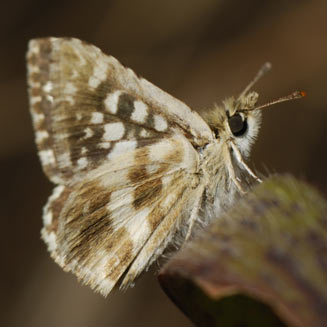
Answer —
120 217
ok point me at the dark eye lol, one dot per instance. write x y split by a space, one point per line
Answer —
237 125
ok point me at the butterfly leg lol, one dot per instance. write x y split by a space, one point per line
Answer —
195 211
231 171
239 158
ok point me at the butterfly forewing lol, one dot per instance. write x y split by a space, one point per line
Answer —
87 108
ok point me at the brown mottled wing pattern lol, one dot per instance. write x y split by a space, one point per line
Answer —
121 151
120 217
87 107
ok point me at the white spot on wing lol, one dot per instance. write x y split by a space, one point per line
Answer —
47 218
64 159
35 99
47 214
99 74
47 157
113 131
144 133
111 102
88 133
82 163
160 150
141 229
122 147
48 87
34 47
50 239
104 145
93 82
166 148
33 69
57 192
97 118
140 112
41 136
37 117
49 98
160 123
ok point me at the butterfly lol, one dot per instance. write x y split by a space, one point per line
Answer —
135 169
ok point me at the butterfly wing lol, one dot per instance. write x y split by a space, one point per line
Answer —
87 108
121 150
118 220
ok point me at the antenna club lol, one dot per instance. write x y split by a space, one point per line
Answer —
297 95
263 70
266 66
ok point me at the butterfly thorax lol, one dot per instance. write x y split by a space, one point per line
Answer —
234 134
219 190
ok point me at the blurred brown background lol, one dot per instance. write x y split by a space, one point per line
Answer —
200 52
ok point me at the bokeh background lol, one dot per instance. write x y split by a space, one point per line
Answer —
200 52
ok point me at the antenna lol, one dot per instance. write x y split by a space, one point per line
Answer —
263 70
292 96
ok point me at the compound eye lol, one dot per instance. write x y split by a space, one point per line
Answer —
237 125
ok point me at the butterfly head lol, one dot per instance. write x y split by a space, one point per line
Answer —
237 122
240 123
